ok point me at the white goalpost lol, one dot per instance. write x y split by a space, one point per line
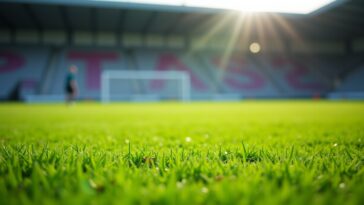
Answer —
182 78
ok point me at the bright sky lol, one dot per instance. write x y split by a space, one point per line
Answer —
284 6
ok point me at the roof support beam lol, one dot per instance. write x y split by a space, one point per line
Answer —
66 23
196 23
120 26
29 11
147 26
149 22
93 24
9 26
174 25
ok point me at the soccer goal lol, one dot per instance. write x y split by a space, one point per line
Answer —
128 85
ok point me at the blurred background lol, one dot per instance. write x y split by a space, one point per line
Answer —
146 50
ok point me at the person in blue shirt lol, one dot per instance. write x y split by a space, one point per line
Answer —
71 85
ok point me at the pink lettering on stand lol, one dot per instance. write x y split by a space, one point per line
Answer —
93 65
171 62
13 62
295 74
236 70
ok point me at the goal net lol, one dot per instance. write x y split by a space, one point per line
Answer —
144 85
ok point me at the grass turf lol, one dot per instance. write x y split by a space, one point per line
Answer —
266 152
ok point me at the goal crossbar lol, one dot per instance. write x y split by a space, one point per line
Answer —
181 76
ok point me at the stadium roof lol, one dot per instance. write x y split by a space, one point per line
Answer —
338 21
280 6
292 6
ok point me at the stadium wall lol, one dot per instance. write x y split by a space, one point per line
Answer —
243 76
292 69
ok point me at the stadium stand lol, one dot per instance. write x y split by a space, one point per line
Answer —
38 45
351 86
90 64
353 82
164 61
293 76
241 77
21 70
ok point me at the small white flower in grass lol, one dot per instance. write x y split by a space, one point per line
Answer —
92 184
342 185
204 190
144 191
179 185
335 145
225 152
162 187
110 138
188 139
156 138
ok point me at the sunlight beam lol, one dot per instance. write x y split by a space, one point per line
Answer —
209 34
231 44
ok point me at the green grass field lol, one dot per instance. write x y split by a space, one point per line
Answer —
253 152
